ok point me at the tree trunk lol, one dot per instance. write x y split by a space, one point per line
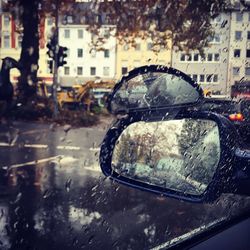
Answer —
30 49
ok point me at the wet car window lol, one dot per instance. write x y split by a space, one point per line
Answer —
59 61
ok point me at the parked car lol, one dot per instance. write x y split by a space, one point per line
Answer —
237 111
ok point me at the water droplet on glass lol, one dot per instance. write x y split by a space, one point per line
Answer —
68 184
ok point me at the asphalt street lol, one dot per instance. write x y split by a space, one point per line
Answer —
54 196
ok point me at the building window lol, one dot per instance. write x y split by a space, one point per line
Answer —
236 71
238 35
19 41
106 53
137 47
66 71
239 17
6 41
237 53
125 47
106 71
214 39
202 78
106 33
248 53
209 78
196 57
79 71
195 78
218 19
92 71
209 57
248 35
217 57
49 21
79 52
6 20
149 46
189 57
67 33
182 58
80 34
247 71
215 78
217 38
124 70
93 53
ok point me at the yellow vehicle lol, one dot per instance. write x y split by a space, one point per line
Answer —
83 95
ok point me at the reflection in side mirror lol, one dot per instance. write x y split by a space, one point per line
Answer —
151 87
180 155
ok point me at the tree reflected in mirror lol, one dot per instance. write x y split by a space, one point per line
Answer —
181 155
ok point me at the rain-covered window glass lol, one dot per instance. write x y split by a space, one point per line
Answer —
239 17
79 52
236 71
237 53
238 35
92 71
66 70
6 41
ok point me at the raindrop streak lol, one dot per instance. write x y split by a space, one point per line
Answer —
68 184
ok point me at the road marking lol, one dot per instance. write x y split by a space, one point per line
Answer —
94 149
35 146
29 163
68 147
42 146
4 144
93 168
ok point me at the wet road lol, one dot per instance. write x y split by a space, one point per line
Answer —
53 196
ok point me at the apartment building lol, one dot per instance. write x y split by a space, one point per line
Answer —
84 61
239 51
142 53
211 69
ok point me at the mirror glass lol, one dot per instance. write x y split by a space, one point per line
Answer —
154 89
181 155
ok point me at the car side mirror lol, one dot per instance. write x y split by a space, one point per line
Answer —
153 87
190 157
164 144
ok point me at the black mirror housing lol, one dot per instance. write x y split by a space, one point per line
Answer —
223 180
